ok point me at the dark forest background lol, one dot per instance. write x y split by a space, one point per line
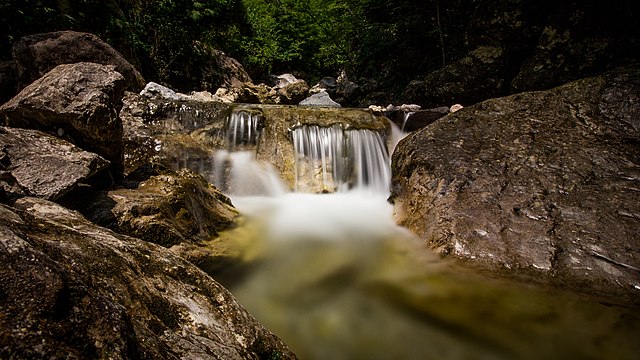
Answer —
386 43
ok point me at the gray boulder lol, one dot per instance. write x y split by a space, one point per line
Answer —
37 54
71 289
157 91
319 99
541 184
34 163
78 102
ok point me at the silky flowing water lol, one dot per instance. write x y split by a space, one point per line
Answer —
335 278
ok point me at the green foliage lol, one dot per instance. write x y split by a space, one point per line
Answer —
315 37
390 41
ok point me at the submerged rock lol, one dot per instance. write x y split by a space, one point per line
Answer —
541 183
34 163
72 289
77 102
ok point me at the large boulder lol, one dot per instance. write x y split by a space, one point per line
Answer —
543 183
206 68
71 289
37 164
78 102
37 54
542 44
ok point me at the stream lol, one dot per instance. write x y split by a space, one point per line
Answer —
335 278
327 269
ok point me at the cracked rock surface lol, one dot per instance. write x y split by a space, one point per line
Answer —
74 290
540 183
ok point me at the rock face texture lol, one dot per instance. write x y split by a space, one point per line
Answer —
71 289
42 165
37 54
166 209
171 132
539 183
78 102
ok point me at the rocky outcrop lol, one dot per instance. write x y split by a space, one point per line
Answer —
167 208
219 69
583 44
514 46
544 183
37 54
77 102
477 76
75 290
43 165
174 133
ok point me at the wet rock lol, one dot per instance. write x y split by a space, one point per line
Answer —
78 102
37 54
543 183
168 209
176 134
34 163
319 99
72 289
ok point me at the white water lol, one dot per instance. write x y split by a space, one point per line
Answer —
332 159
243 129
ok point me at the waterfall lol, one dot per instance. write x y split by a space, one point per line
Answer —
330 159
243 129
316 159
234 168
405 118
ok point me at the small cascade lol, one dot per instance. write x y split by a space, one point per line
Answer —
330 159
243 129
405 118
